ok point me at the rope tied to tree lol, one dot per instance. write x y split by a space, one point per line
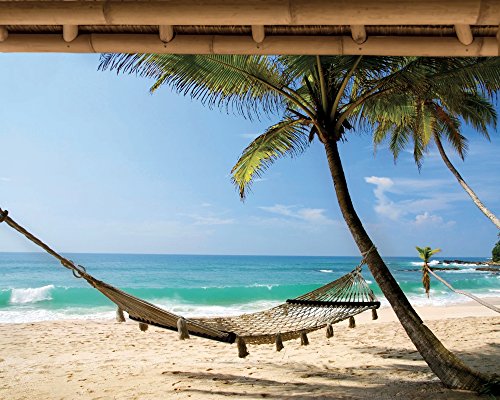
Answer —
363 260
3 215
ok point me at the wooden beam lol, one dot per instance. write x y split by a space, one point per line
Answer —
70 32
213 44
498 39
250 12
358 33
166 33
258 33
4 33
464 34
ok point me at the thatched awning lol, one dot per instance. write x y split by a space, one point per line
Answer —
374 27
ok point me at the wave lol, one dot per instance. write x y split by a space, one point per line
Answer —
31 295
259 285
326 270
195 310
23 315
464 271
52 302
461 264
58 297
421 263
19 316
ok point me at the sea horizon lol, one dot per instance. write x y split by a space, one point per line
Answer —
440 257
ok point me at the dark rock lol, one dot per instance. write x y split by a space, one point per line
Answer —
464 262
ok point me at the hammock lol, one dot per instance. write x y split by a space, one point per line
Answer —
334 302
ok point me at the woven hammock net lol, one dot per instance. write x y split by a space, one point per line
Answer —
331 303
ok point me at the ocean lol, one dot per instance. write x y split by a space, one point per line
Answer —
35 287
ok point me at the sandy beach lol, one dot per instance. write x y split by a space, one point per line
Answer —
108 360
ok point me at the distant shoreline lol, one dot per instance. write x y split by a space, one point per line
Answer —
490 266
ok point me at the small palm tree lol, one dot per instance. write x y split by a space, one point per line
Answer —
423 117
319 98
425 254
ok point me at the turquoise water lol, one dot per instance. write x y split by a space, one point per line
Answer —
34 287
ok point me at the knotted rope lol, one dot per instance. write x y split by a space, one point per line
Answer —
78 271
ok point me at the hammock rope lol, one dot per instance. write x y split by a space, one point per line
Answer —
334 302
463 292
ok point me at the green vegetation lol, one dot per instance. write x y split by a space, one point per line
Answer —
425 254
420 117
324 99
495 253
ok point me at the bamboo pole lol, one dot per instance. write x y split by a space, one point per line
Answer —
250 12
258 33
166 33
70 32
464 34
498 39
358 33
4 33
213 44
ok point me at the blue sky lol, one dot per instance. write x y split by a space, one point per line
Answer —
91 162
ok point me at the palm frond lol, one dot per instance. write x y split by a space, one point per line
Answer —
448 125
247 84
477 111
287 137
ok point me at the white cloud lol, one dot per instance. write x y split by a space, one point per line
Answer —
211 220
309 215
426 218
384 206
426 199
279 209
206 205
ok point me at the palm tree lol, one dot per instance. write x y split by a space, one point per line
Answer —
427 118
425 254
464 185
317 98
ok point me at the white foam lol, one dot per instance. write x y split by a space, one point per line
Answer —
464 271
30 295
328 271
436 299
25 313
196 310
463 265
269 286
421 263
37 315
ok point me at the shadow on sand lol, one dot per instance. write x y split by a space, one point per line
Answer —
311 382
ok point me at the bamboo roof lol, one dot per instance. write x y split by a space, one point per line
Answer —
372 27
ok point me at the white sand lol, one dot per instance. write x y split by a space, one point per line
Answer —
107 360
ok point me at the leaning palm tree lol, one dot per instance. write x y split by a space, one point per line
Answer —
420 119
425 254
317 98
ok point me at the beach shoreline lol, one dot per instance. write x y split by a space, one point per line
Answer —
102 359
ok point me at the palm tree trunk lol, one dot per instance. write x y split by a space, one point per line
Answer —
466 187
449 368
